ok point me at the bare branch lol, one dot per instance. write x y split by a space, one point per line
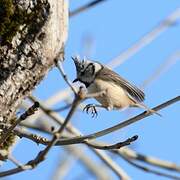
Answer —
75 131
129 153
64 140
21 132
103 156
114 146
125 153
125 123
109 162
60 68
121 125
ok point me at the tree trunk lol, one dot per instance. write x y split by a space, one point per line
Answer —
32 35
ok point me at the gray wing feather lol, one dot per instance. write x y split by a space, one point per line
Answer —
132 91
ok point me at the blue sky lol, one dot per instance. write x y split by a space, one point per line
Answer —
112 27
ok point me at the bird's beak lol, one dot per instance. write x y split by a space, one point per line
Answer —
74 58
76 80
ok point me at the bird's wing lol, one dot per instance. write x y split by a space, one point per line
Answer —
132 91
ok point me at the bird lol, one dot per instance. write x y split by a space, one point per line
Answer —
119 93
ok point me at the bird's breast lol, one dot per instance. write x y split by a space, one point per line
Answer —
115 95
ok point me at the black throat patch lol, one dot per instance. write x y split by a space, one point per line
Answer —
87 84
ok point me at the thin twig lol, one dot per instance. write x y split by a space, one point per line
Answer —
60 68
15 170
85 7
114 146
27 113
64 139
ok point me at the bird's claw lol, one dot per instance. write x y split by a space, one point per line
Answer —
92 108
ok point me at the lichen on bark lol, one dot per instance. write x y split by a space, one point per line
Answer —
14 15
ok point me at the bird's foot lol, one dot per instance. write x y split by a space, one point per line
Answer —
91 108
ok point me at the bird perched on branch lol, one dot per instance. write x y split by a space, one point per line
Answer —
119 93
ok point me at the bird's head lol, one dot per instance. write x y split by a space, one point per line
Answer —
86 70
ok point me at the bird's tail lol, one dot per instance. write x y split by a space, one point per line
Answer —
148 109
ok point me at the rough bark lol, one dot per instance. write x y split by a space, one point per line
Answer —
32 34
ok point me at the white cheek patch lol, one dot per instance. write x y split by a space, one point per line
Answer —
97 67
89 77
